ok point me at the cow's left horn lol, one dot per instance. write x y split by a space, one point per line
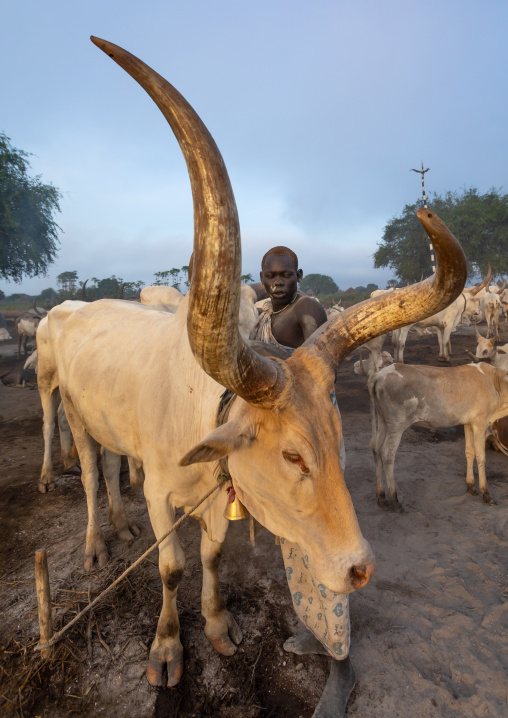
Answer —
378 315
212 320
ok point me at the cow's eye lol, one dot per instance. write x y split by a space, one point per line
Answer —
295 459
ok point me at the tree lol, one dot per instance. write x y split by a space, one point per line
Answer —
175 275
28 232
480 223
319 283
48 297
67 282
247 278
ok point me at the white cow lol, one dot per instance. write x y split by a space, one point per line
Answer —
333 311
26 327
4 333
161 296
158 402
490 304
473 395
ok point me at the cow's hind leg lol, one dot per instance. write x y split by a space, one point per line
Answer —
95 546
166 653
70 464
221 628
117 517
49 399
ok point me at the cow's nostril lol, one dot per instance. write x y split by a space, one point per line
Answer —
360 575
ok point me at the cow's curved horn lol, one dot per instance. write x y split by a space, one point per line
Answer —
36 310
378 315
477 289
503 286
476 332
214 302
83 291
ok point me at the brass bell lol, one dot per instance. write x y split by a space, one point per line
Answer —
235 510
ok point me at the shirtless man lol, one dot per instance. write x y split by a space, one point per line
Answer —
288 319
294 316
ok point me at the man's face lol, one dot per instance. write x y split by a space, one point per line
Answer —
280 278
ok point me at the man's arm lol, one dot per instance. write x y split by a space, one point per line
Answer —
311 315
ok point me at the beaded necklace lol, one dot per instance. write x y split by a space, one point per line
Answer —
287 305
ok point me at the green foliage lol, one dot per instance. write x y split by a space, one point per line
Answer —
319 283
67 281
48 298
247 278
480 223
28 232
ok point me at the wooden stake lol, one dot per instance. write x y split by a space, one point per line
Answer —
43 599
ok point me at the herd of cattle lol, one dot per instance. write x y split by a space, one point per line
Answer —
145 380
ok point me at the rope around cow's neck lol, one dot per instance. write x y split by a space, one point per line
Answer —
56 637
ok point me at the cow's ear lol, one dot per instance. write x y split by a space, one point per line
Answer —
217 444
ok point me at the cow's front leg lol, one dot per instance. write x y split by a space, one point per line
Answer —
470 453
377 451
479 446
111 464
221 629
166 653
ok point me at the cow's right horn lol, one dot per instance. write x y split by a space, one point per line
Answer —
214 302
379 315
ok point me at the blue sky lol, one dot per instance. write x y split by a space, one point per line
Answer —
319 109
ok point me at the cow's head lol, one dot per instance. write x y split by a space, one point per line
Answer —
485 348
283 436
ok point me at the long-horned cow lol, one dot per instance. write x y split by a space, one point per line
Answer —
158 402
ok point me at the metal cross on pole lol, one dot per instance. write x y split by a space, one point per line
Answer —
422 172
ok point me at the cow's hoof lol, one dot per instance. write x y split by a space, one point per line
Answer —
471 490
128 534
156 668
45 488
382 502
226 642
102 559
488 499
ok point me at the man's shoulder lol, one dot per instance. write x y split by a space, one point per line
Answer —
305 303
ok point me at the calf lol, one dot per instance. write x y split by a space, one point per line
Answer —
434 397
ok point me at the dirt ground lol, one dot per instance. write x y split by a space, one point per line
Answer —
429 632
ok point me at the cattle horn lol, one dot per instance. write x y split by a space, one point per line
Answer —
212 320
392 310
83 291
485 282
503 286
36 310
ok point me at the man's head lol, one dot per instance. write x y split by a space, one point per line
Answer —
280 274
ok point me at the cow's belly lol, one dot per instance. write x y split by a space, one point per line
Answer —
27 327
